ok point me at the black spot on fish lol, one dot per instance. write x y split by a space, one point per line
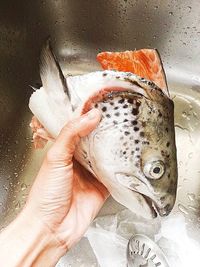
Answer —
117 77
142 134
126 133
137 149
168 143
117 114
145 143
134 122
130 101
96 105
125 120
121 138
168 175
125 106
116 108
167 130
132 152
138 156
108 115
111 103
115 122
136 129
125 114
138 103
104 109
159 114
137 141
125 143
121 101
104 74
162 199
135 111
124 152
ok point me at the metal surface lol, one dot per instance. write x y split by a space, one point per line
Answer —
79 29
142 251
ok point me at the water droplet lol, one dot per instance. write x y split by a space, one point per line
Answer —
5 187
191 196
190 155
17 205
184 114
179 188
192 208
23 186
171 13
183 209
189 7
16 142
155 7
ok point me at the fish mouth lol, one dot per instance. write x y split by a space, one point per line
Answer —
152 206
162 212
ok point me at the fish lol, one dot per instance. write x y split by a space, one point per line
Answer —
132 151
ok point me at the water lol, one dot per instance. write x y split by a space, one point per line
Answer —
191 196
183 209
23 186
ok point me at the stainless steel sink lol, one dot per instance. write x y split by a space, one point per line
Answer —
78 30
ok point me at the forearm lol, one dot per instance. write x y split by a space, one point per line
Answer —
28 242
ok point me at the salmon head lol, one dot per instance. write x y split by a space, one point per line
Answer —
132 151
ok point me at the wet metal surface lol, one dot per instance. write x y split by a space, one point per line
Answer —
78 30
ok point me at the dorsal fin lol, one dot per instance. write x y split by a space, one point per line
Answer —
145 63
50 71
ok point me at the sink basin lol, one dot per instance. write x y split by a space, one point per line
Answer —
79 30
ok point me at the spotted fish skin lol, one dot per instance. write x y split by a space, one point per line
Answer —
134 129
132 151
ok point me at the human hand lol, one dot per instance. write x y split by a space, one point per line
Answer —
65 196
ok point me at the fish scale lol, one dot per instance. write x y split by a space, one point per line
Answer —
132 151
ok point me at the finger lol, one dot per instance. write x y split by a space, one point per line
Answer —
70 135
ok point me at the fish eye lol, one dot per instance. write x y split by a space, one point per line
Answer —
154 169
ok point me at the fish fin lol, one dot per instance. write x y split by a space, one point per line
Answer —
51 103
145 63
50 71
40 134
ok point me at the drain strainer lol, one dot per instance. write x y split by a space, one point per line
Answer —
143 252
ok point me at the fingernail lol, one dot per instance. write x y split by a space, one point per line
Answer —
92 114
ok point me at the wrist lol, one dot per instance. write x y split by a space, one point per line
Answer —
29 242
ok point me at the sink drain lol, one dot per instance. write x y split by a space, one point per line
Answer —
143 252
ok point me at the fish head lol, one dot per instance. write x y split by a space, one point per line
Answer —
132 151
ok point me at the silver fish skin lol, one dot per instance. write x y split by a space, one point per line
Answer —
132 151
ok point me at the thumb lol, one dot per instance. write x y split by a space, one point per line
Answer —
64 147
